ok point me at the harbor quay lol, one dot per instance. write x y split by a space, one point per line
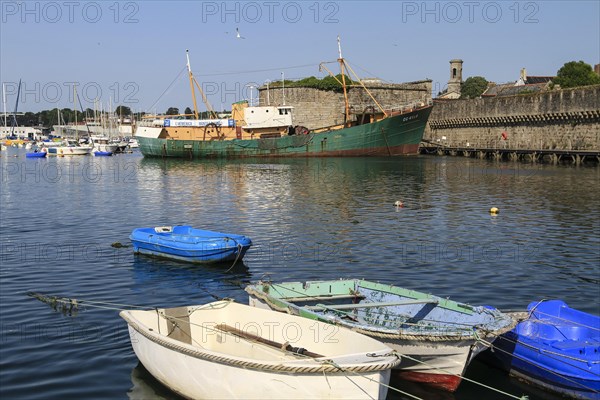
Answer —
546 125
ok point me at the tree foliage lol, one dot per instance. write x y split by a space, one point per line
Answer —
473 87
48 118
172 111
575 74
123 111
327 83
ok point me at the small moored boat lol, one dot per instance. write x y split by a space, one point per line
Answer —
229 350
185 243
103 153
436 337
36 154
556 347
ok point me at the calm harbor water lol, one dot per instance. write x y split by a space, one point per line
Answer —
308 219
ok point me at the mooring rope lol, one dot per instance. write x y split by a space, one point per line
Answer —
237 257
524 397
380 383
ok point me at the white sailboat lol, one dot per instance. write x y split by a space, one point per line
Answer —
72 147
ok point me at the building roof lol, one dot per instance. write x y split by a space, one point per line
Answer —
494 90
509 89
538 79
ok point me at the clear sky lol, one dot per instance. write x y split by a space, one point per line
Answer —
129 52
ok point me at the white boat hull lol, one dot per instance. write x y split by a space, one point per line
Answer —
200 379
106 147
440 364
199 360
69 151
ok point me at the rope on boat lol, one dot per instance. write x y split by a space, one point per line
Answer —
237 257
72 304
323 365
373 380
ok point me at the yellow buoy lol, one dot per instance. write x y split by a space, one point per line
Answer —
494 210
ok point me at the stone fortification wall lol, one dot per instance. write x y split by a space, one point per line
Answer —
314 108
566 119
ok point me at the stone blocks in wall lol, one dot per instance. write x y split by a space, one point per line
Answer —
566 119
315 108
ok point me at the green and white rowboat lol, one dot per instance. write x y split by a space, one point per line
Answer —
436 337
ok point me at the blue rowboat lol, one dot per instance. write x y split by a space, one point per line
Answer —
103 153
38 154
556 347
185 243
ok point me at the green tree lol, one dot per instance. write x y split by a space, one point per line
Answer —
188 111
473 87
123 111
172 111
574 74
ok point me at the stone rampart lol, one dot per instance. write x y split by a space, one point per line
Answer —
566 119
314 108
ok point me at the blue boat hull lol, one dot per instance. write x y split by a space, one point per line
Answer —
185 243
40 154
103 153
556 348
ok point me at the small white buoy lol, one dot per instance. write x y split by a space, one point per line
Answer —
494 210
398 203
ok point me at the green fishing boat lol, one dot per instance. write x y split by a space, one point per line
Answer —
269 131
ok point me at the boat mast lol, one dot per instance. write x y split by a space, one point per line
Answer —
342 63
187 55
75 110
14 123
4 102
283 86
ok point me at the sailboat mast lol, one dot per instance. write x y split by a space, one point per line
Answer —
14 123
187 55
341 61
4 102
75 110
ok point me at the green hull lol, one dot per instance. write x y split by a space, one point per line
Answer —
393 136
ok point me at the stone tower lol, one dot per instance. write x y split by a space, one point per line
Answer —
455 79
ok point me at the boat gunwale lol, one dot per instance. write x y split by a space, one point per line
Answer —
191 248
280 304
326 364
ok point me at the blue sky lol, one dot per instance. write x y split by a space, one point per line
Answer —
130 51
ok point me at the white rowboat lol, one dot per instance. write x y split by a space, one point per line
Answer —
229 350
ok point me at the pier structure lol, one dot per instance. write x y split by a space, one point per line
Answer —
546 156
555 126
